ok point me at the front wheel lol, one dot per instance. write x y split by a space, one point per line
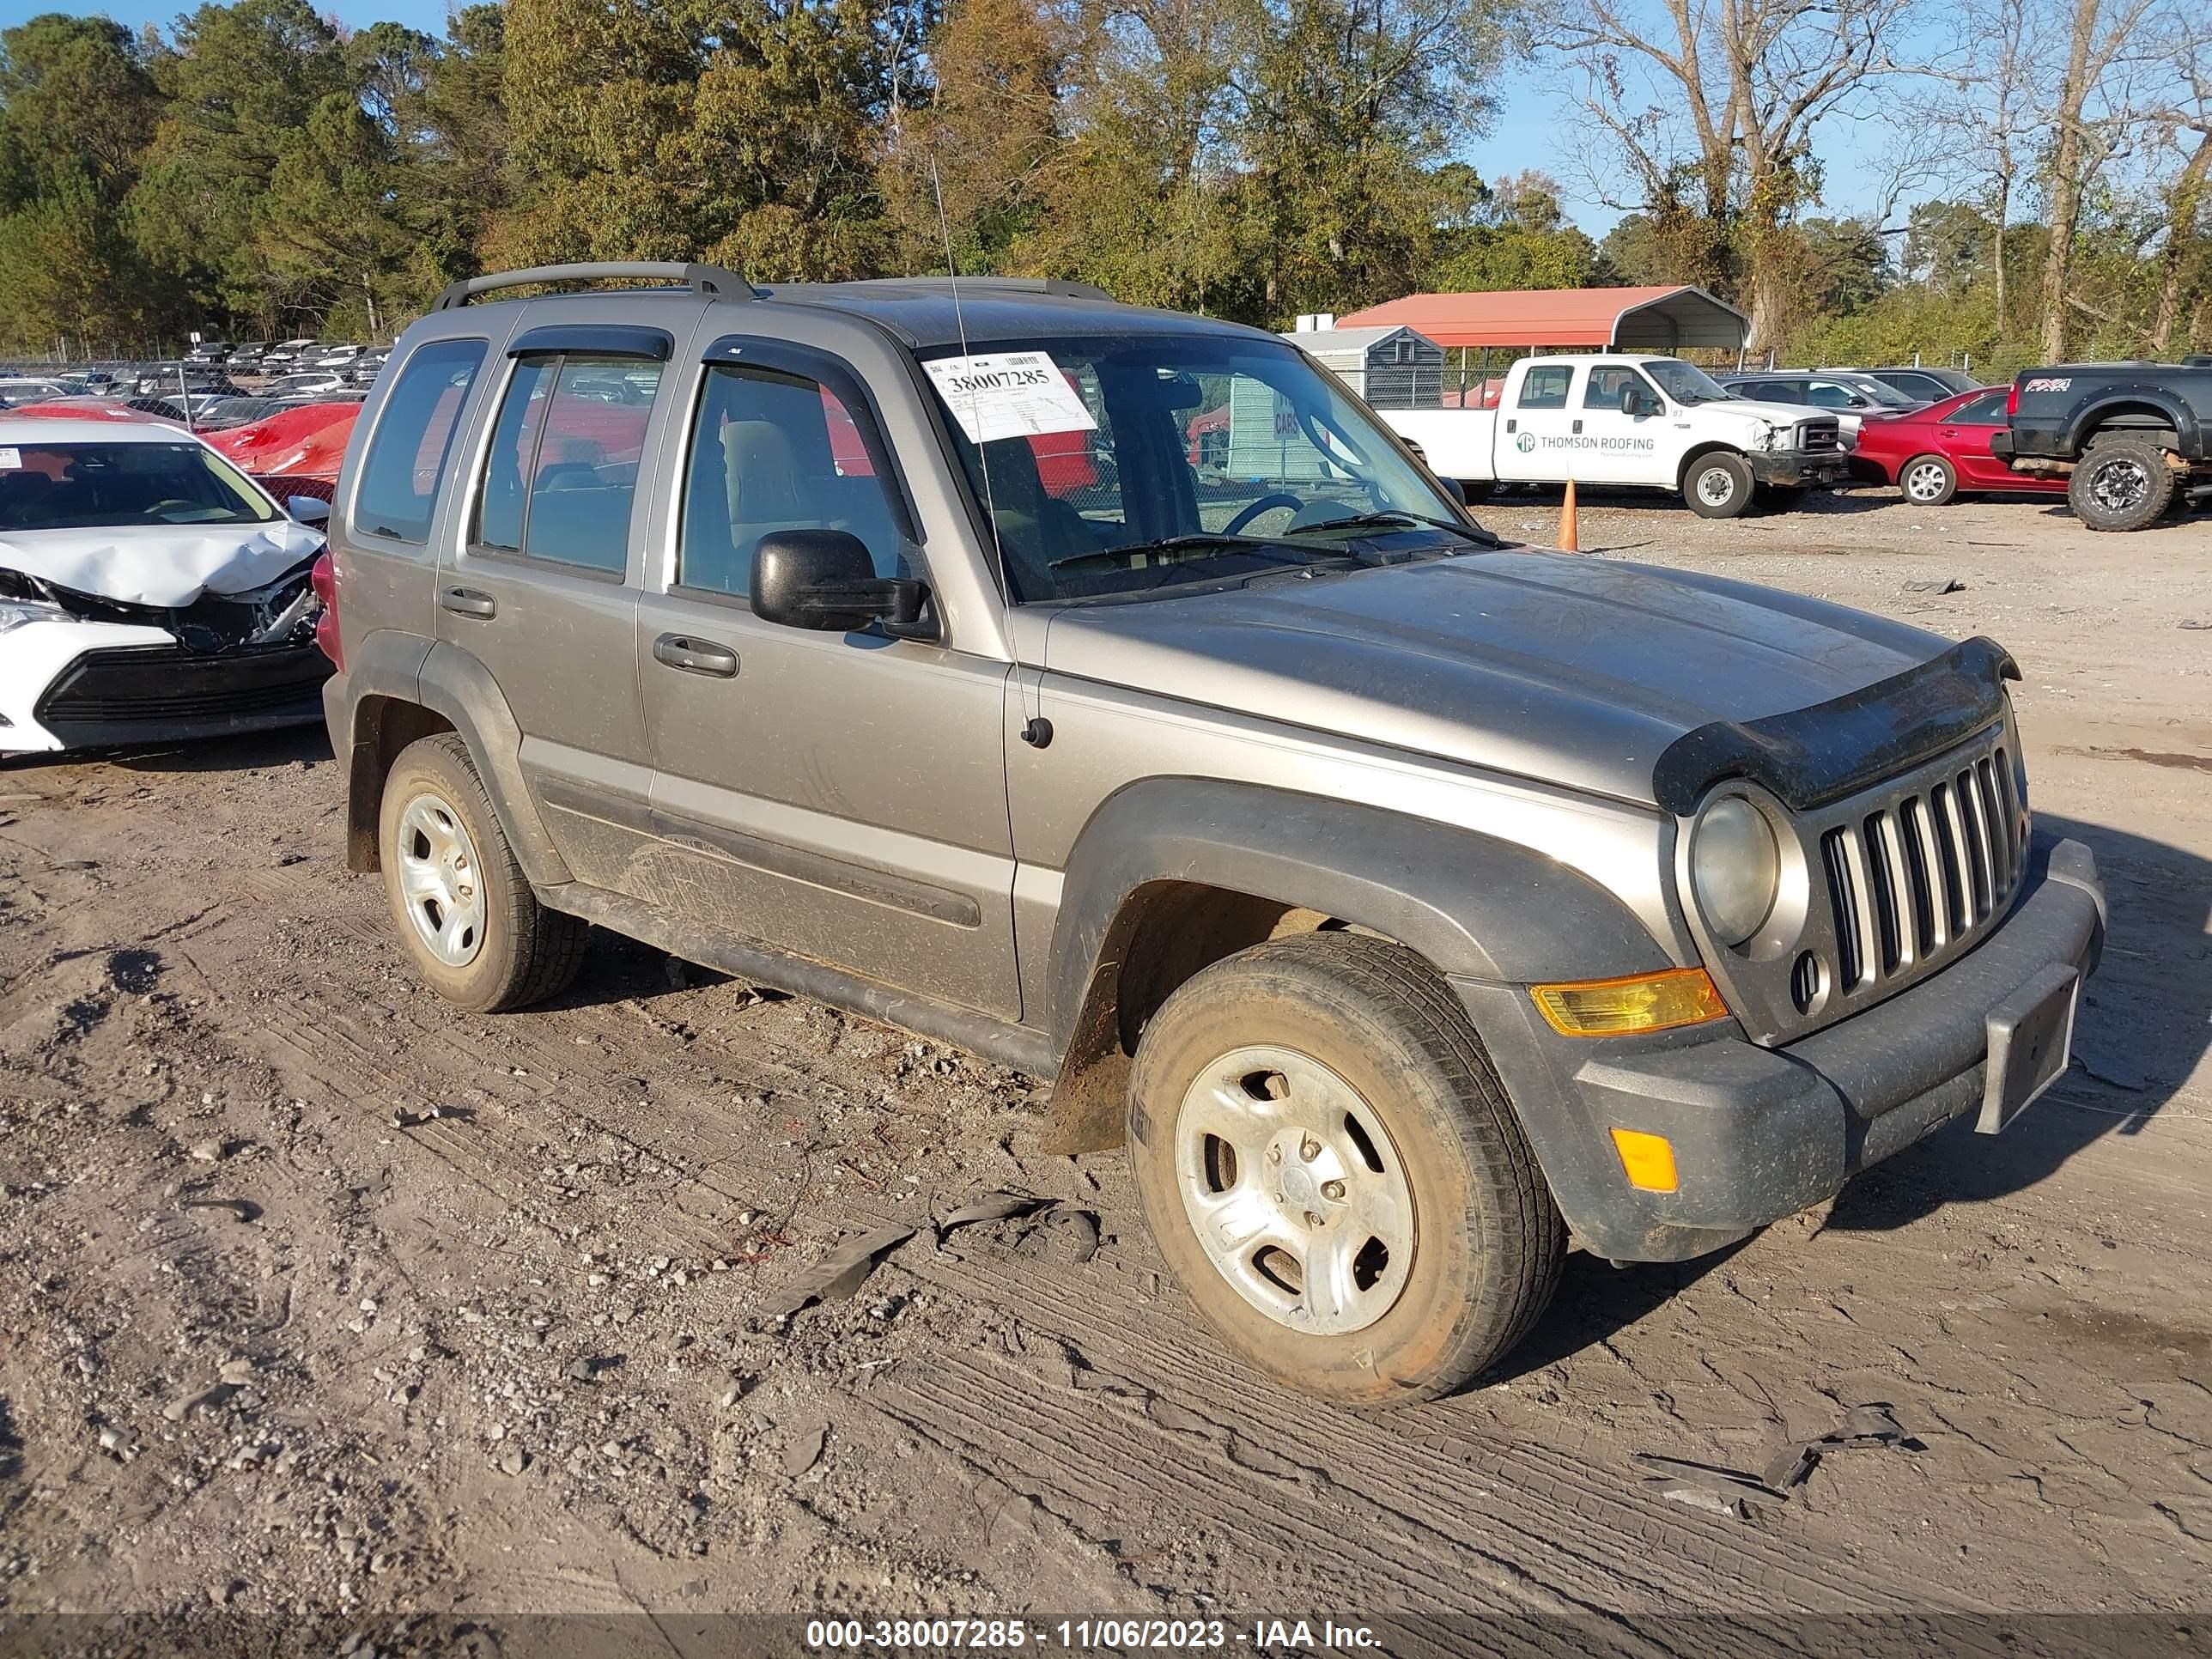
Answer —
1717 486
1332 1170
2122 484
1928 481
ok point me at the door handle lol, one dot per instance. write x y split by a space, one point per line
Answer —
468 601
1578 427
696 656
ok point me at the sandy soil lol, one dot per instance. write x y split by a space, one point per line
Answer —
277 1342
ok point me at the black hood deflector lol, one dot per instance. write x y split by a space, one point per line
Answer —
1811 756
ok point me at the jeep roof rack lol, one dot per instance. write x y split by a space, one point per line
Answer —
711 281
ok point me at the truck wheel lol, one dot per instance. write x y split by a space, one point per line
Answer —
2122 484
1928 481
1717 486
462 906
1332 1170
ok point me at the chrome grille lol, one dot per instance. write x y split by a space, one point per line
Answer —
1916 879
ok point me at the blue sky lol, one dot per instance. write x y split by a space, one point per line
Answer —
1535 127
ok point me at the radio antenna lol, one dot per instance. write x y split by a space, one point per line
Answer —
975 402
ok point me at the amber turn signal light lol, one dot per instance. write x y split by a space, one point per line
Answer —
1638 1002
1648 1159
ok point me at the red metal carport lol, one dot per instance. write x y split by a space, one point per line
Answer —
1620 318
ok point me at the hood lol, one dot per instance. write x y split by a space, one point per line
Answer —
1780 414
1575 671
306 442
167 566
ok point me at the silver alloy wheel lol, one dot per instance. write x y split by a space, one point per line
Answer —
1295 1189
2120 485
1717 486
440 881
1925 480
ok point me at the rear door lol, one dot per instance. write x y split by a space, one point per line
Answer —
543 591
1535 424
1966 435
839 796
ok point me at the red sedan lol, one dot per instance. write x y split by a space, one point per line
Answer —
1934 453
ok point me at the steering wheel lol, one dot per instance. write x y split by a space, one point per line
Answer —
1280 498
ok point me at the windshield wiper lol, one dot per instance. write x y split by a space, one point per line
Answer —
1195 542
1395 516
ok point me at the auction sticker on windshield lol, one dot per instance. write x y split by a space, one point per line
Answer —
1010 394
11 460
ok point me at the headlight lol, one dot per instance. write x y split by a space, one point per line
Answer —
1736 868
20 613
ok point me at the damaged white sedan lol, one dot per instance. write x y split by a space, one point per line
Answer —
148 591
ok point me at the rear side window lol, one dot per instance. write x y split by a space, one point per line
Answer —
1547 388
1988 410
769 452
562 477
406 459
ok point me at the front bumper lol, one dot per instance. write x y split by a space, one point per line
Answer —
78 684
1760 1134
1797 467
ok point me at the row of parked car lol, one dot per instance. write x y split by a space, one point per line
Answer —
290 357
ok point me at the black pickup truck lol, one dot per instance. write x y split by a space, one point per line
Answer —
2134 437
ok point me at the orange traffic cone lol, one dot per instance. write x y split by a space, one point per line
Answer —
1570 536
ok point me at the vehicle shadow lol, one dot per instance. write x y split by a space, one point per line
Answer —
287 745
2144 1024
1844 500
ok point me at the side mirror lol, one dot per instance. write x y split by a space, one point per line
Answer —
825 579
308 509
1858 402
1635 400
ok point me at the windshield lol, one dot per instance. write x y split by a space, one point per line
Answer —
1686 383
83 486
1114 463
1888 396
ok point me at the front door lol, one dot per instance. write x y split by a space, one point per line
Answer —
839 796
1621 447
541 589
1534 427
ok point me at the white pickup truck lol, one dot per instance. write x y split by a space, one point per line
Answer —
1627 419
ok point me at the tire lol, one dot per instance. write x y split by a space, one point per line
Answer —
2122 484
485 945
1475 491
1928 481
1356 1048
1718 485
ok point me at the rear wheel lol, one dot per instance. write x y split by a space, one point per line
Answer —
1332 1169
1928 481
1717 486
462 906
2122 484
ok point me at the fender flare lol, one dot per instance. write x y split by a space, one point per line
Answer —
2081 419
1475 906
459 687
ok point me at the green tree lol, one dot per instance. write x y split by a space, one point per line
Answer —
652 129
242 81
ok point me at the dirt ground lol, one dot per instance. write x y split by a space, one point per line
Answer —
275 1341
